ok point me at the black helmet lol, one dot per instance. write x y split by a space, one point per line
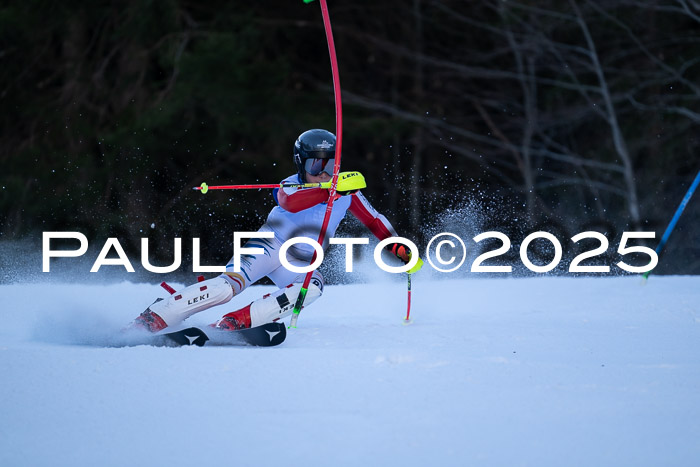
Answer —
314 152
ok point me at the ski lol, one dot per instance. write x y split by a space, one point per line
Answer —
267 335
189 336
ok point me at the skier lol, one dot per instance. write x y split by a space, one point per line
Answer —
299 212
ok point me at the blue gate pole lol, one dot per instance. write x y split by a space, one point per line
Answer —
676 216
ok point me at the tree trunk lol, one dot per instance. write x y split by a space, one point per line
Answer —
419 139
618 138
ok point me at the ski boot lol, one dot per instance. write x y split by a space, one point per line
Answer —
181 305
269 308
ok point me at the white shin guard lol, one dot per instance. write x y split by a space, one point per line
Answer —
193 299
281 303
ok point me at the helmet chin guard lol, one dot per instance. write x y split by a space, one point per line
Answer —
313 144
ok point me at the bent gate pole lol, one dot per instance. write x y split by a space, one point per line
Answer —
336 168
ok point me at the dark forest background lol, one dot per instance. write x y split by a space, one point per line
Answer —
555 115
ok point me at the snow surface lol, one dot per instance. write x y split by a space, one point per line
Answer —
536 371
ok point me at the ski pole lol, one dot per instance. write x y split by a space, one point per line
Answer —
676 216
408 310
205 188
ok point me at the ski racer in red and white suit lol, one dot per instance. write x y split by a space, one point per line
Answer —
299 213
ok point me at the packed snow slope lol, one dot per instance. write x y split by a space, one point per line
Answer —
540 371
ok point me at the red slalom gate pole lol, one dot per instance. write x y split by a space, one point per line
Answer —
336 168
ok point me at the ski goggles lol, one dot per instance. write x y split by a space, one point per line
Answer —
316 166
